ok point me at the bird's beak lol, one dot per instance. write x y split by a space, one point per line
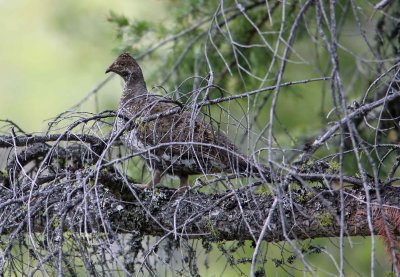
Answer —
109 70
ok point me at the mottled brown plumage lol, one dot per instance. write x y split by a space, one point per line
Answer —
181 143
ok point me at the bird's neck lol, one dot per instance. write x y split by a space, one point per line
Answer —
134 88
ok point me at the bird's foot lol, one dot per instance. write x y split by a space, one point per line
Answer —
179 195
143 186
182 189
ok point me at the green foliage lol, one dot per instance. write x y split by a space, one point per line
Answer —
140 27
118 19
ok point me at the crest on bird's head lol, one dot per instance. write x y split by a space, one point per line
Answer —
126 66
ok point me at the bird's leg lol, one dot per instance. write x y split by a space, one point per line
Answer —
184 185
155 180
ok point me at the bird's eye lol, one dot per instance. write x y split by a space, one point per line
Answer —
125 73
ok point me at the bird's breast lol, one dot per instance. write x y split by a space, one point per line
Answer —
132 141
130 137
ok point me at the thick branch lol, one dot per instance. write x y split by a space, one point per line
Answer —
232 215
197 215
9 141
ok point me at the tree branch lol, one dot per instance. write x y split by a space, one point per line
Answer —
311 214
201 216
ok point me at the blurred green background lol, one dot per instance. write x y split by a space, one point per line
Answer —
52 53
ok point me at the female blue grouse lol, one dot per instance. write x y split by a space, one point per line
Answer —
171 139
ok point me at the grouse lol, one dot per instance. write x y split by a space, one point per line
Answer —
171 139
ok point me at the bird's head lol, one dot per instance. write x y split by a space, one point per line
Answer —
126 67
